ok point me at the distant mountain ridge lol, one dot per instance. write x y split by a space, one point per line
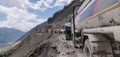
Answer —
2 42
38 27
8 35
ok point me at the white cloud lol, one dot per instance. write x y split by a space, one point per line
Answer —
46 4
62 2
40 5
19 19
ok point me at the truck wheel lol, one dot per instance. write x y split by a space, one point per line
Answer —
101 50
87 49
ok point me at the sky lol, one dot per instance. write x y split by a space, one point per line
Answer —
26 14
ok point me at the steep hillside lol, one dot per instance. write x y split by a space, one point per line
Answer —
10 35
63 16
35 43
38 27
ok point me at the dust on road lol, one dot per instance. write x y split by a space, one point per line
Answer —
66 48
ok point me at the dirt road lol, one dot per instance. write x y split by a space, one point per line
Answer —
66 48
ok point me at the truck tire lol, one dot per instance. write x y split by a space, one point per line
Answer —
101 50
87 49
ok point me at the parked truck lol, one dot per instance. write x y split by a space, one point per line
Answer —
98 25
67 28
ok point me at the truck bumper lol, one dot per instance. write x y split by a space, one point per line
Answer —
115 30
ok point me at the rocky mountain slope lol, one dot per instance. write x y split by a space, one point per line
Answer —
53 45
34 45
62 16
38 27
46 44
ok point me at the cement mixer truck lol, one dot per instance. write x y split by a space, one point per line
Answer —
98 25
